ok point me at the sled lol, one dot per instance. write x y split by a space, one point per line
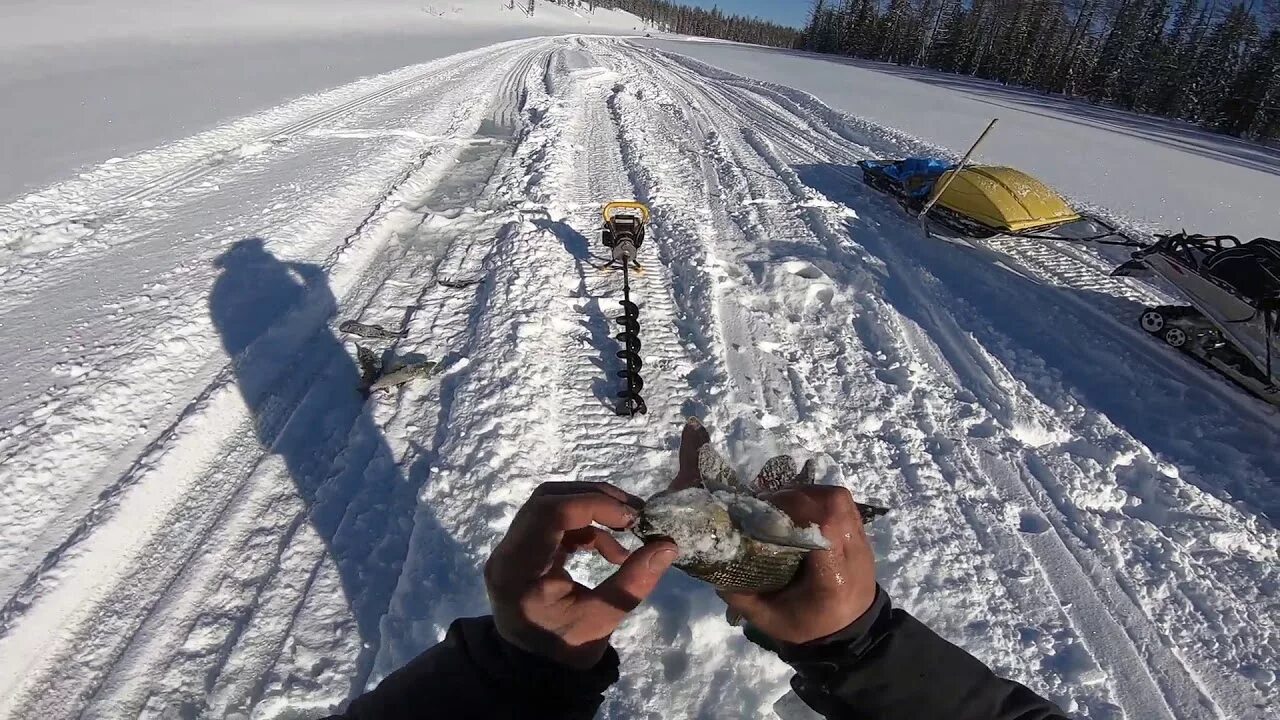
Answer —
982 201
1234 291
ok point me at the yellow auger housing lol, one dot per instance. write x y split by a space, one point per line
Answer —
1004 199
612 209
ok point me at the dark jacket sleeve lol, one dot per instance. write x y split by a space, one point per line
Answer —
888 665
474 673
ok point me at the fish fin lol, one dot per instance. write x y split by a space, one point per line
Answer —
776 528
807 476
715 471
777 474
871 512
370 366
692 439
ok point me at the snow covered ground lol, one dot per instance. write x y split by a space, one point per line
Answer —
1161 175
204 518
88 81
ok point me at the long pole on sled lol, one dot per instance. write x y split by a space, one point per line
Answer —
963 161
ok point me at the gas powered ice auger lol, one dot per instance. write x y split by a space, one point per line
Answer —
624 226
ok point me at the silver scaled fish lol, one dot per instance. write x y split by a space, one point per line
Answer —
728 536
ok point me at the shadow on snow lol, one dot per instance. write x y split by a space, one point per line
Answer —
302 388
595 321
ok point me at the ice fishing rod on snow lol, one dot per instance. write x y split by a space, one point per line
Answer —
623 234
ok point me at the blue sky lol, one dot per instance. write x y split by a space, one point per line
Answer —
788 12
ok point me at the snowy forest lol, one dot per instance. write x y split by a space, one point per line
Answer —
677 18
1211 62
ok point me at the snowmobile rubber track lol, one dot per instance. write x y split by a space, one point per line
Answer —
1222 358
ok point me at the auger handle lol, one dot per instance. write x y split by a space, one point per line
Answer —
617 205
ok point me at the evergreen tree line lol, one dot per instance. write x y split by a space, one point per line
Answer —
674 17
1211 62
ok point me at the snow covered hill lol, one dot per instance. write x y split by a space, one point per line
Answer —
202 517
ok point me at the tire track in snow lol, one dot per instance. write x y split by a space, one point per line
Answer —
514 396
433 311
1075 493
1079 276
706 274
591 170
521 392
758 219
1112 641
183 176
616 123
1156 614
659 142
1172 672
115 421
127 185
198 503
776 215
1169 661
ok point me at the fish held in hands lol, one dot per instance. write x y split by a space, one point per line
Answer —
727 534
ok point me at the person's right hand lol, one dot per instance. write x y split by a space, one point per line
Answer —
537 605
834 587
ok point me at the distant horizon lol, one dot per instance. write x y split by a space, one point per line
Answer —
784 12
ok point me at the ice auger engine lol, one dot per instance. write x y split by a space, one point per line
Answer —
623 234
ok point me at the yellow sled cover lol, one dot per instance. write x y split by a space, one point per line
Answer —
1004 199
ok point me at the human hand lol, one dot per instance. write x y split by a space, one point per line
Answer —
537 606
834 587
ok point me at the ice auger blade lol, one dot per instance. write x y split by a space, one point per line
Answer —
623 235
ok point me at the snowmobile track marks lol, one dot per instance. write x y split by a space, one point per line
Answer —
131 610
912 391
1175 677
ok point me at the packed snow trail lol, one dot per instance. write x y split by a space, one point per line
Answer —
204 517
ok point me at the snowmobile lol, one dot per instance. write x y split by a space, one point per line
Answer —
983 201
1233 287
623 234
1234 290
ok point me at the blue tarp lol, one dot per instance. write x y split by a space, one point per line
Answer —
915 175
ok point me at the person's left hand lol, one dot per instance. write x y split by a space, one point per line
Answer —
537 606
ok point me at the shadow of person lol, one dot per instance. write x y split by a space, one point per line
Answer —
595 321
302 388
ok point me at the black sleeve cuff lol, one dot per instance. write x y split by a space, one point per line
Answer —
887 664
475 674
534 676
855 638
